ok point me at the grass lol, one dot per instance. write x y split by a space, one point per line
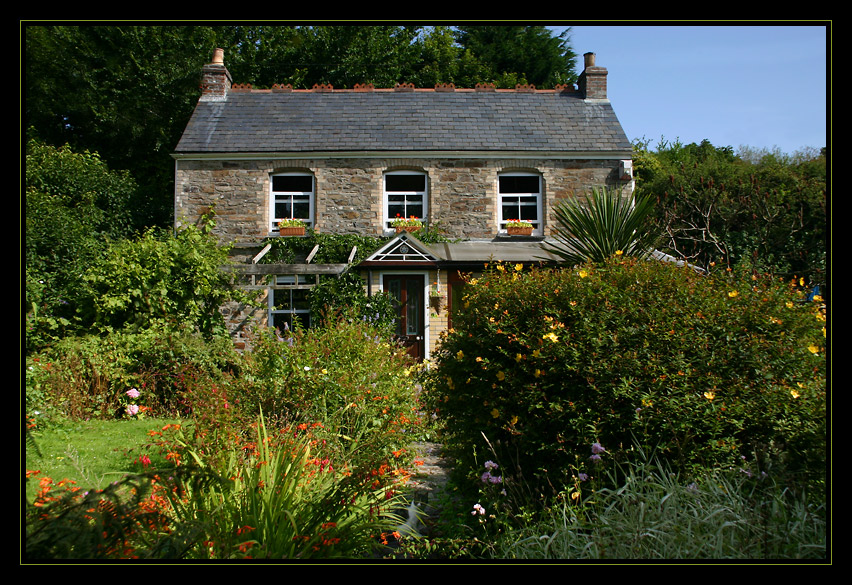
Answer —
92 453
655 515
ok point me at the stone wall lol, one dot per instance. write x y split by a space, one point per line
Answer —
349 198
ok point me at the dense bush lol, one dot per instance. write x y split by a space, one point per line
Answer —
703 370
158 279
714 205
89 376
74 206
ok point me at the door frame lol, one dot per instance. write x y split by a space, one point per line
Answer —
424 298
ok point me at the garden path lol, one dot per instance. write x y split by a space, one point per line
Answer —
429 482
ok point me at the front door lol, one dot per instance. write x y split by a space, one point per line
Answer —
407 293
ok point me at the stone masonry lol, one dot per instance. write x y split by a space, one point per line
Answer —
462 192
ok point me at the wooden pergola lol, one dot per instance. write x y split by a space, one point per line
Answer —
302 272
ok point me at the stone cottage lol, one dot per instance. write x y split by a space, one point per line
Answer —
354 160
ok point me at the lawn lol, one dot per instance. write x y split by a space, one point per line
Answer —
92 453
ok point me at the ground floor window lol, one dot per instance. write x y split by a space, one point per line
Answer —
290 304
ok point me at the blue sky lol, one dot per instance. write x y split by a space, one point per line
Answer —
759 86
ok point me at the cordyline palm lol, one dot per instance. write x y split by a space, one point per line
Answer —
607 223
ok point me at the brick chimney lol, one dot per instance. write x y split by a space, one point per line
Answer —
215 79
592 82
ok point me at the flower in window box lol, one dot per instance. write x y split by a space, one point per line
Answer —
291 227
406 224
518 227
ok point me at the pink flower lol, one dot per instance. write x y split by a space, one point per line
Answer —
133 393
132 410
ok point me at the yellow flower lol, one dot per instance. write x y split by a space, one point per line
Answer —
583 274
537 373
789 304
518 357
817 298
519 267
710 395
460 355
551 336
813 349
794 394
514 421
501 376
619 252
733 293
495 413
536 353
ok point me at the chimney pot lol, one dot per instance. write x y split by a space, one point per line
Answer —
592 81
215 79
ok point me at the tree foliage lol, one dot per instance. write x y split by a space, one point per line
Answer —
75 205
158 280
716 207
532 52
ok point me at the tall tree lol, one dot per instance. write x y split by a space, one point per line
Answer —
531 51
122 91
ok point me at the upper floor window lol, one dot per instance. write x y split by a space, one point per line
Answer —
405 195
520 198
291 197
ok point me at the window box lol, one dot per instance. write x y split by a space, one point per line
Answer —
517 227
291 227
291 231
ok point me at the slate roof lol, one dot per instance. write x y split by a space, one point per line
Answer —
392 121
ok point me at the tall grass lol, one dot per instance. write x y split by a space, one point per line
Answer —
653 514
283 501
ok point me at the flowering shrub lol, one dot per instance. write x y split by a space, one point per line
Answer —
702 370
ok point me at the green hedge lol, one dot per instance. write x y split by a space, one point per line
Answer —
706 370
